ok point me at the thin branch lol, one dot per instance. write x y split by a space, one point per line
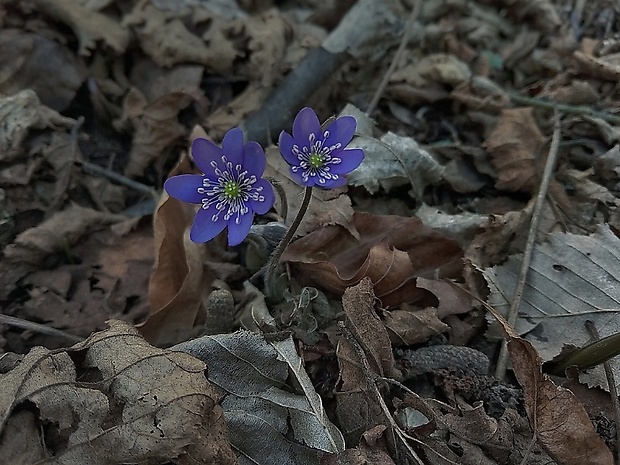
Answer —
38 328
563 107
118 178
415 12
502 361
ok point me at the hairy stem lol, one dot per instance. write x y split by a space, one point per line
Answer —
274 260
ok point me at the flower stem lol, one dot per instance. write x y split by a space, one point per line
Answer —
274 260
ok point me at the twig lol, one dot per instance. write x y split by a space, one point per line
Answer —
563 107
38 328
116 177
502 361
415 12
611 383
372 378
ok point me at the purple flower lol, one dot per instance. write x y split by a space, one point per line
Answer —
230 191
318 157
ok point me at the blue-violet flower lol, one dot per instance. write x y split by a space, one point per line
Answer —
230 191
318 157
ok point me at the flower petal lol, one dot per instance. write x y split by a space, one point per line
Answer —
254 159
341 131
285 145
239 231
263 206
184 187
204 228
296 177
334 183
350 159
204 152
232 146
306 123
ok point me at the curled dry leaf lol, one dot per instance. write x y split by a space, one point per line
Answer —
141 405
356 406
31 61
408 326
177 283
556 415
20 113
157 129
165 38
358 303
392 251
558 419
62 230
88 26
514 146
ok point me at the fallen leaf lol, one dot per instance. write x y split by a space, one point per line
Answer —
393 161
165 38
358 303
515 145
65 228
558 418
31 61
268 422
435 68
572 279
21 113
408 326
144 405
88 26
156 131
391 250
176 284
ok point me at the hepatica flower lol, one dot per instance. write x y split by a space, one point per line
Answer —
230 191
319 157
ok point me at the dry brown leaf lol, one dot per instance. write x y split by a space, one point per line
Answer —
144 405
598 67
229 115
358 303
88 26
61 231
452 299
558 419
20 113
391 250
31 61
556 415
515 144
164 36
157 129
476 427
408 326
356 407
432 69
267 45
177 282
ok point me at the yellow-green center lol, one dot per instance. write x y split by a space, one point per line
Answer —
316 160
232 189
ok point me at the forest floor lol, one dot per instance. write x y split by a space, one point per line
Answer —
454 303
